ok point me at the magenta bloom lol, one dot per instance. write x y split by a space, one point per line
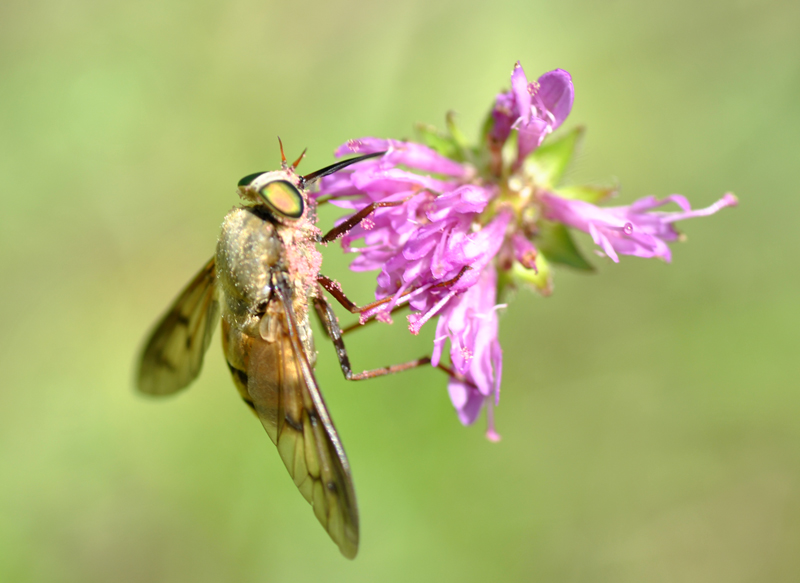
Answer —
462 222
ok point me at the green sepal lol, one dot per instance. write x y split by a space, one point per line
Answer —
548 163
554 240
541 279
506 285
486 128
455 132
592 194
439 141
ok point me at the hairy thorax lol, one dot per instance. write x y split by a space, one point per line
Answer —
253 253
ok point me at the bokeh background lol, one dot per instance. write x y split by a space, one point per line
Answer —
650 413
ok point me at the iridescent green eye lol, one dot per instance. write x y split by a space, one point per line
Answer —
249 178
283 197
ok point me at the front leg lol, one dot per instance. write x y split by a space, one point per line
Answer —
333 288
345 227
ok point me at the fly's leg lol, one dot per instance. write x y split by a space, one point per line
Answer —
331 325
333 288
340 230
358 325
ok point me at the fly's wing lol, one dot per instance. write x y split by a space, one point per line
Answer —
277 381
173 355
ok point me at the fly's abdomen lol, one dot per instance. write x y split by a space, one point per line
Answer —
235 345
266 376
240 349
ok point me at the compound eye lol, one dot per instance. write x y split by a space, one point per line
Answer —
284 198
249 178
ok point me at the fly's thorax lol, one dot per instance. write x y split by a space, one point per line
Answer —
249 252
252 254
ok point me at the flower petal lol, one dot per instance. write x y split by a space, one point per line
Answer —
522 97
556 93
629 230
409 154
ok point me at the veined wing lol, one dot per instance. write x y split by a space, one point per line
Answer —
174 352
277 381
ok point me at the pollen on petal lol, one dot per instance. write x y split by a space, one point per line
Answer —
492 435
354 145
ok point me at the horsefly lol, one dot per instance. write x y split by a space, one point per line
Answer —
262 280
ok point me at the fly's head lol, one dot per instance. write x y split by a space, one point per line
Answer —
283 194
280 193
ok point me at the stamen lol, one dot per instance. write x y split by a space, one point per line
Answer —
491 432
524 252
401 300
417 323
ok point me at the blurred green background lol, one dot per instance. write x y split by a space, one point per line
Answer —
650 413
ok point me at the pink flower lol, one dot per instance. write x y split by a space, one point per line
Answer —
455 227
